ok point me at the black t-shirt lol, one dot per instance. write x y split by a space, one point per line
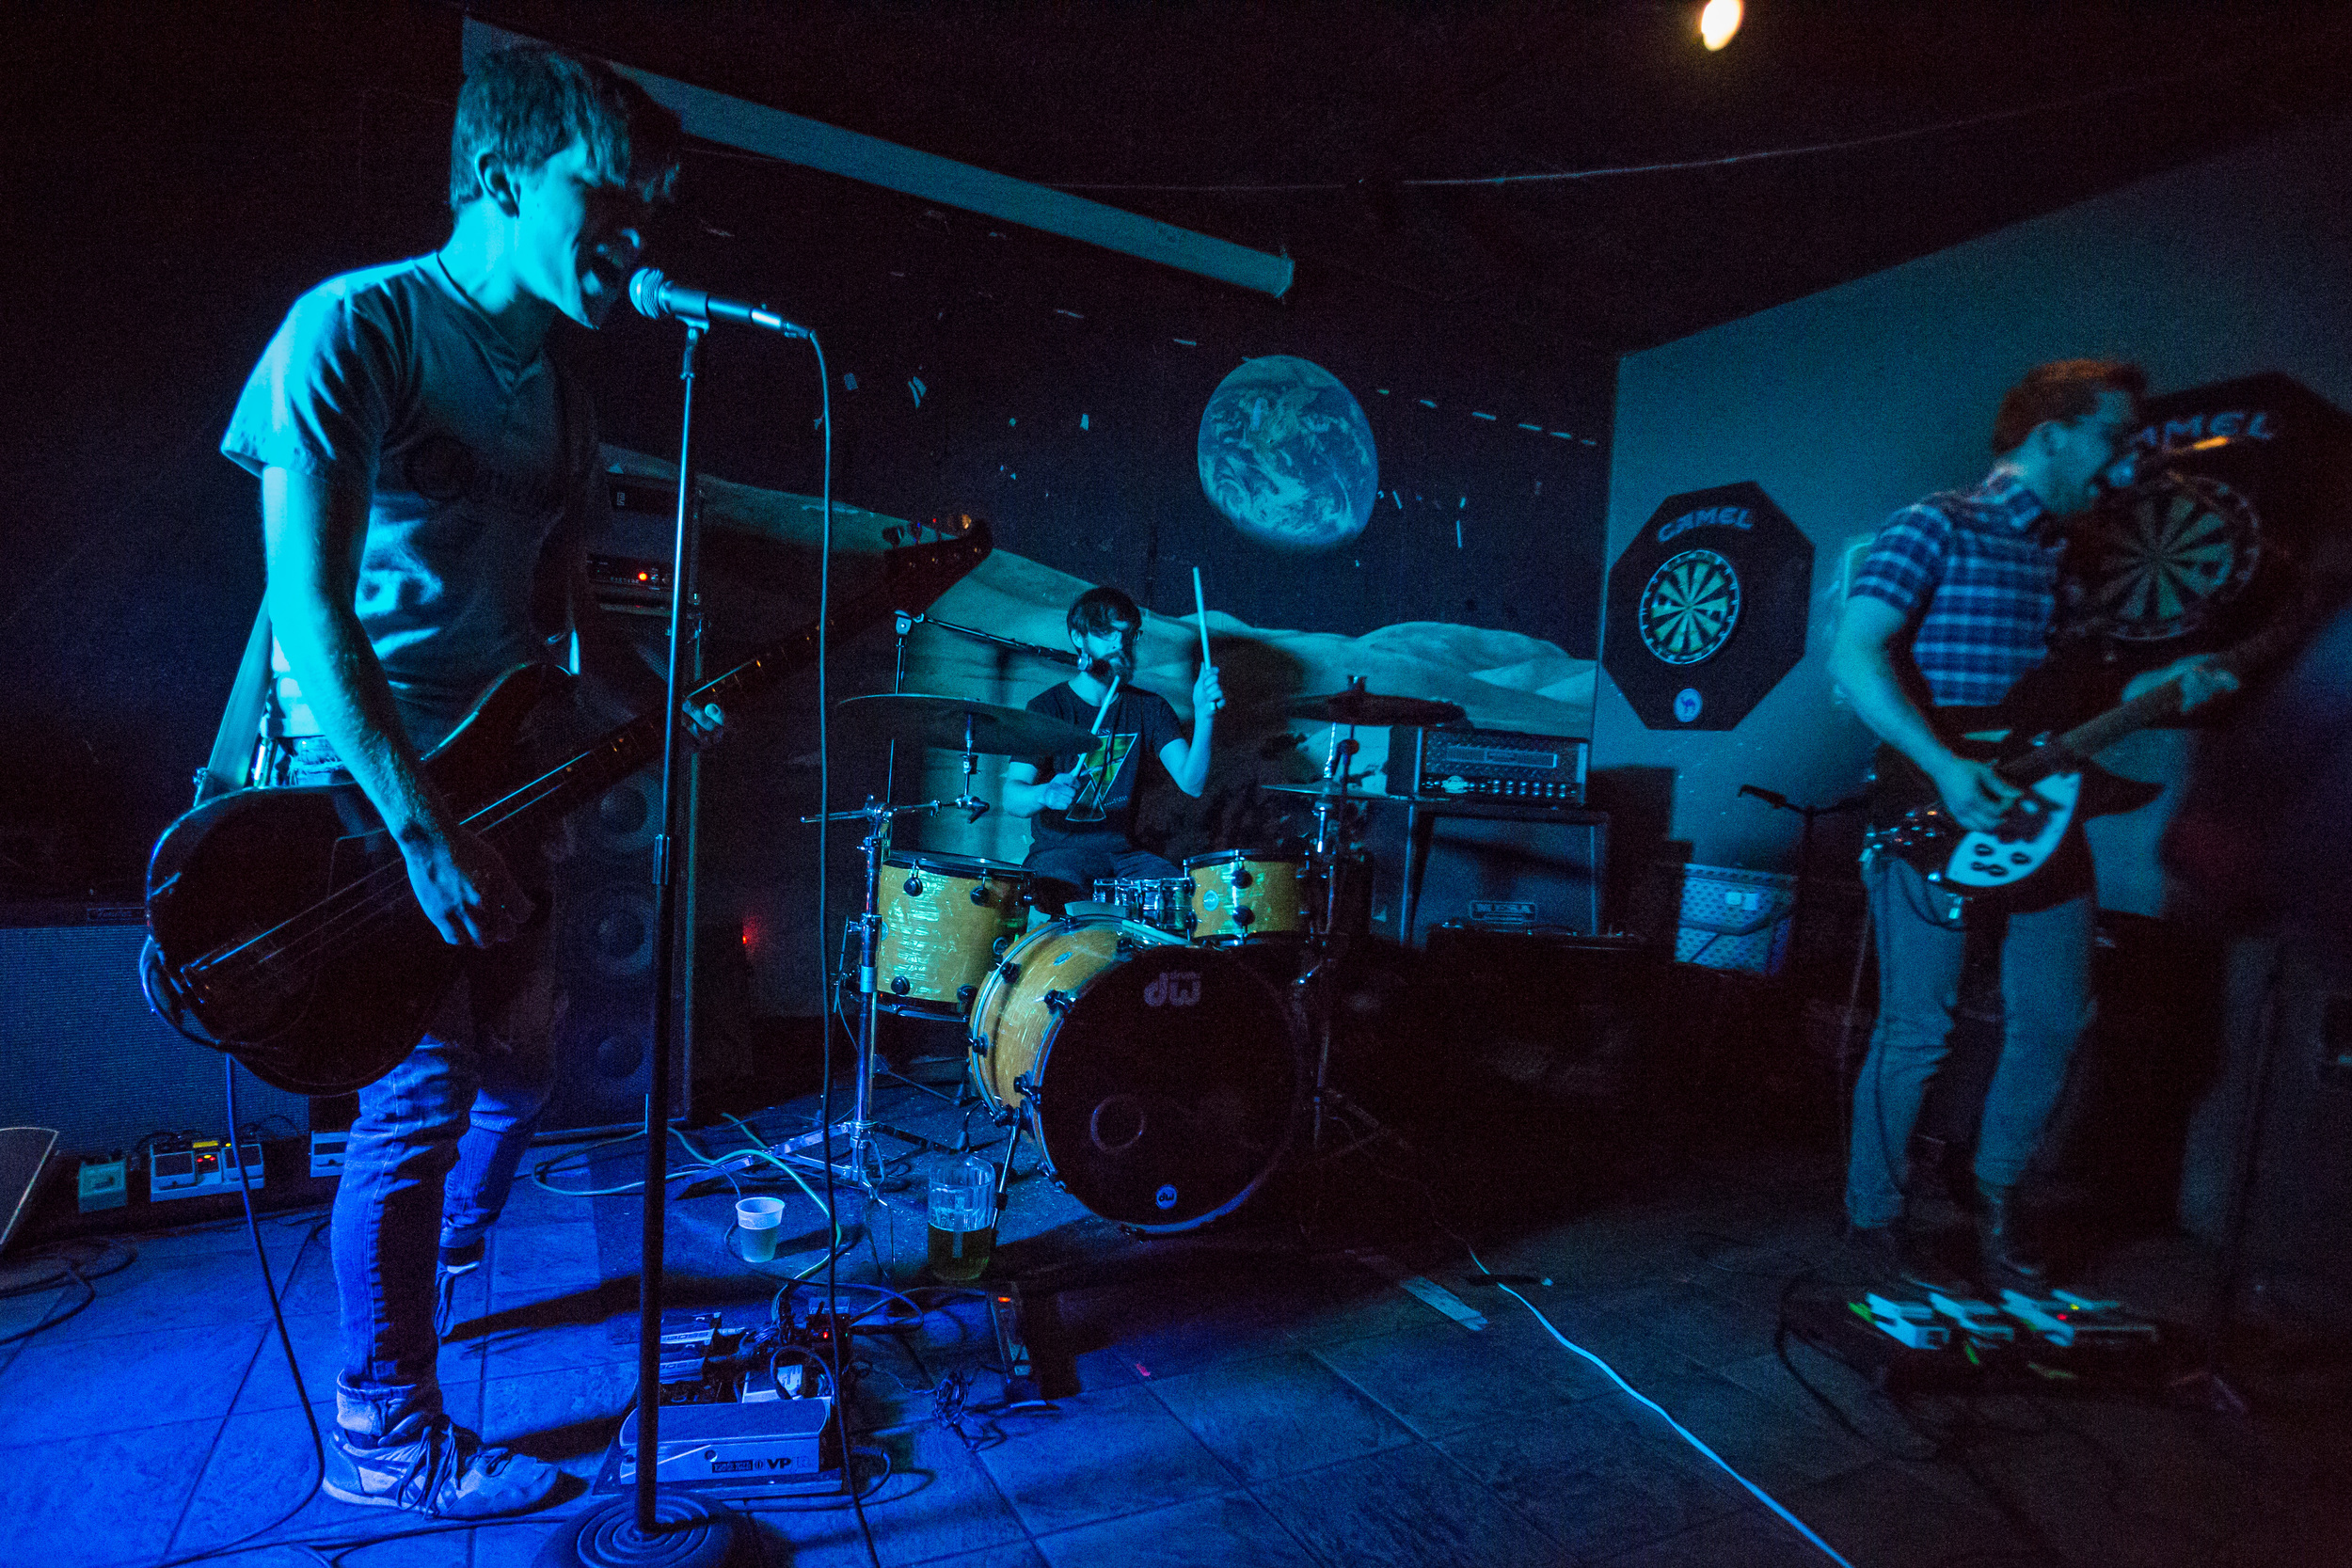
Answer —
1138 725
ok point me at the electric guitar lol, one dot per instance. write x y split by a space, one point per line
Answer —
1915 823
281 926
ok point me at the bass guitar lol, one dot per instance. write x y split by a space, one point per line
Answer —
2049 769
281 926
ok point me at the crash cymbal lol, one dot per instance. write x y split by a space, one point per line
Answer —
962 724
1358 707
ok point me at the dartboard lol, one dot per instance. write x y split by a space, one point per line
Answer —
2169 555
1689 606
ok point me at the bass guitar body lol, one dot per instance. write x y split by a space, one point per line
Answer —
281 927
313 959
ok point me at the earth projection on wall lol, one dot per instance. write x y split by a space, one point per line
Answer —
1286 454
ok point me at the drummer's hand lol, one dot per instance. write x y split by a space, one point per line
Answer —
705 725
1207 695
1056 793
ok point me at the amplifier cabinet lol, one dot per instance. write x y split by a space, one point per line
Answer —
1492 867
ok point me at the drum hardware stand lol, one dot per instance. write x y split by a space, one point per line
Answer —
1326 943
862 1163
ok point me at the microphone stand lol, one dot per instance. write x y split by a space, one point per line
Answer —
674 1529
1054 656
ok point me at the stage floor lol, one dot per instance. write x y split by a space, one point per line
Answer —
1260 1391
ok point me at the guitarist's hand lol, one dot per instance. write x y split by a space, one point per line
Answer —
465 888
1973 792
705 724
2201 679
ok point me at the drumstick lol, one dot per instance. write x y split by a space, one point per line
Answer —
1200 612
1103 712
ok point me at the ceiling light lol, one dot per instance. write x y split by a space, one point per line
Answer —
1718 21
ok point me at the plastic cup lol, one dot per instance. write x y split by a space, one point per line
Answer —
756 1219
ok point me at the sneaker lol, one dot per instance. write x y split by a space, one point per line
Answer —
444 1472
1889 1255
456 1262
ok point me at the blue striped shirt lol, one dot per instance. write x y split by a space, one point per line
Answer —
1975 572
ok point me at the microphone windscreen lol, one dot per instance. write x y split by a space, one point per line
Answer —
645 292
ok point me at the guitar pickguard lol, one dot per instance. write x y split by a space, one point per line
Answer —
2020 844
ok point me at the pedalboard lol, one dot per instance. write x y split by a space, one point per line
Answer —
1957 1343
194 1168
741 1411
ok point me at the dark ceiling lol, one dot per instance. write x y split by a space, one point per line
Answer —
1319 128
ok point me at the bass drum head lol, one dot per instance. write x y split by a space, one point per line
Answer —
1169 1089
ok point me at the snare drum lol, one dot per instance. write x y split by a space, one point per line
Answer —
1162 1081
946 921
1247 893
1162 902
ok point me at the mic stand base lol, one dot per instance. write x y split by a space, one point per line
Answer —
690 1533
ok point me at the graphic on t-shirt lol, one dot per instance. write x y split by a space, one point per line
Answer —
1098 772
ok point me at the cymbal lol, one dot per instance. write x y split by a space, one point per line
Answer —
1354 790
962 724
1359 707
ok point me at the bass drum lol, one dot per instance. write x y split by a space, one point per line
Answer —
1162 1079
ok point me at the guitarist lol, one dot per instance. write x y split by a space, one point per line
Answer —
1955 602
422 466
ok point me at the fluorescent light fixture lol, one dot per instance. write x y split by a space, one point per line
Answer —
720 117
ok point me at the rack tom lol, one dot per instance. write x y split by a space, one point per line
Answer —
946 922
1237 894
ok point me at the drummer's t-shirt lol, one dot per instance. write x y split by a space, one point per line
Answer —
1138 725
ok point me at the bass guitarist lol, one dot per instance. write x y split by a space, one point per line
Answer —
423 466
1955 602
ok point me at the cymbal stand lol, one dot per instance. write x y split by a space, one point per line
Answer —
863 1163
1326 943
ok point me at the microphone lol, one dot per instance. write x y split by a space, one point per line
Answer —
2153 465
657 296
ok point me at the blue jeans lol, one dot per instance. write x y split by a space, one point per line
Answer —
431 1160
433 1152
2045 1003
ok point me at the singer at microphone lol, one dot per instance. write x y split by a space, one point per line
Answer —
656 297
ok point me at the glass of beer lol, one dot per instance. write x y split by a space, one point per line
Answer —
964 1218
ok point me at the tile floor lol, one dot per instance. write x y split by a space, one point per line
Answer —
1256 1393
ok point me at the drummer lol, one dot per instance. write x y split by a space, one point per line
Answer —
1082 819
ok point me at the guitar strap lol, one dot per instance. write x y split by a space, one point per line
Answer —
238 743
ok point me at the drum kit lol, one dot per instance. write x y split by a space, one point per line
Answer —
1152 1041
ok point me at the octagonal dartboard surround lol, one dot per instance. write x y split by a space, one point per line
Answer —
1707 608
